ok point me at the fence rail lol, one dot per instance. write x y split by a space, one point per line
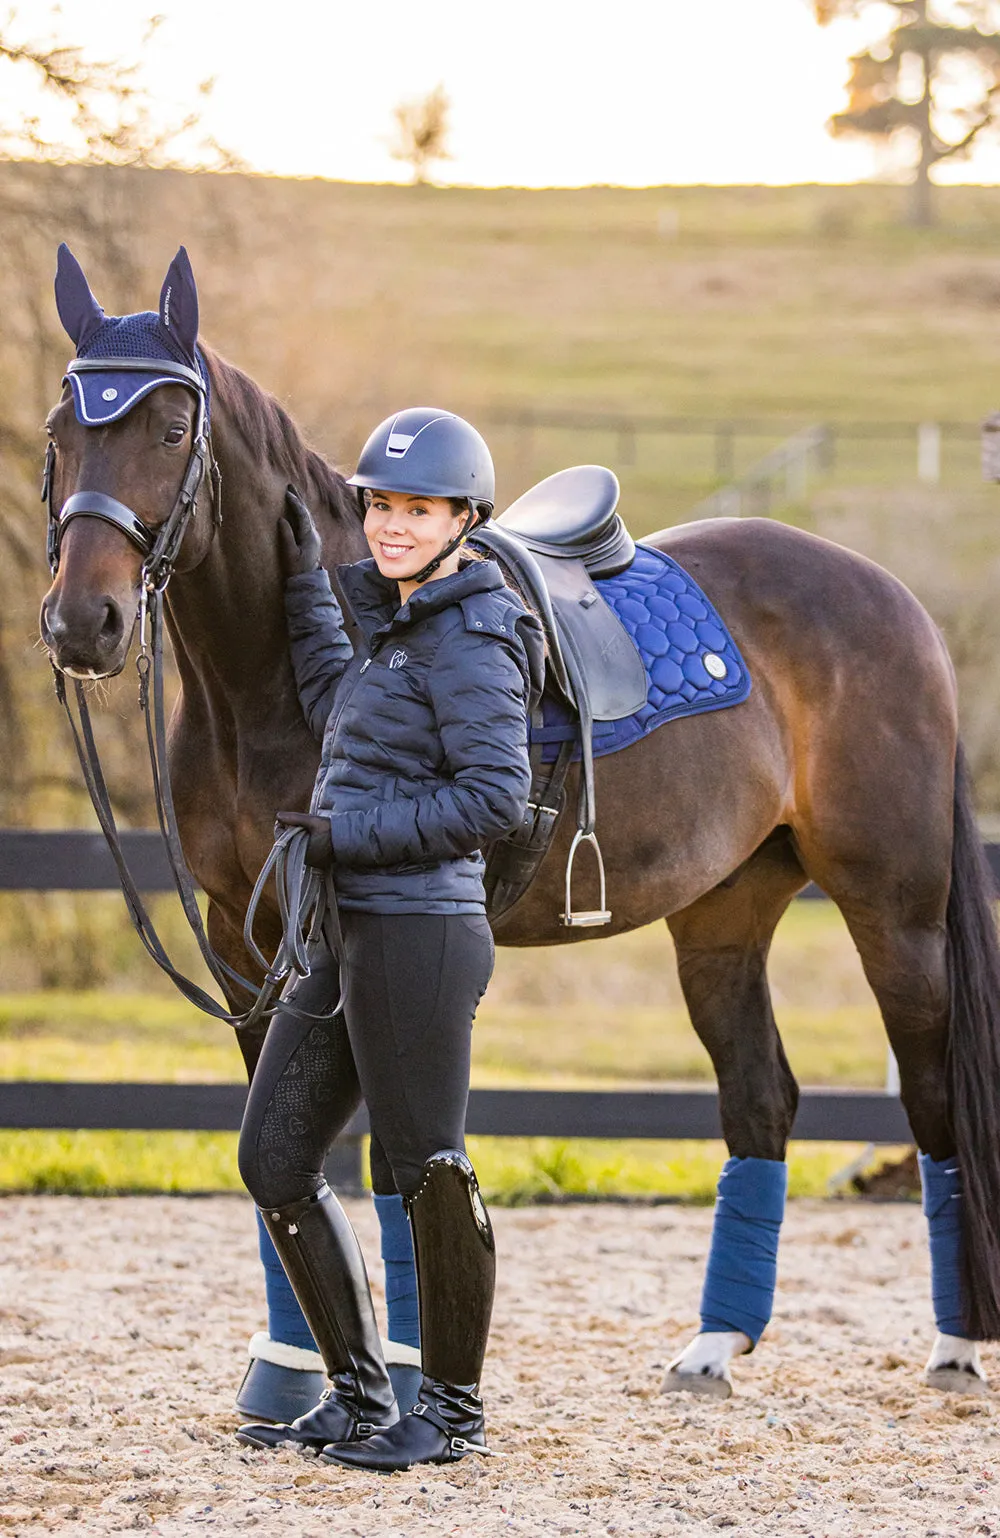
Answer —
33 860
862 1116
924 439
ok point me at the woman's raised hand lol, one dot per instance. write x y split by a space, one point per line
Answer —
298 537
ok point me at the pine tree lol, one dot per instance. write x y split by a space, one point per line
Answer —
935 78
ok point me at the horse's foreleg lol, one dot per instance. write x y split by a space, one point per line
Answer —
722 944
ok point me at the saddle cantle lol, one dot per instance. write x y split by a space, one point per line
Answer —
573 515
553 541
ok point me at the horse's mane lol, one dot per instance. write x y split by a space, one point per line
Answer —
271 435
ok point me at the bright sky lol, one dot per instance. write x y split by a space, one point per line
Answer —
543 92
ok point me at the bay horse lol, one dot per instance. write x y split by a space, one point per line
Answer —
843 767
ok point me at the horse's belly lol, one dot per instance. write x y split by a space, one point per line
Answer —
676 814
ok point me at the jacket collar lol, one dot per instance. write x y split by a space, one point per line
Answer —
374 600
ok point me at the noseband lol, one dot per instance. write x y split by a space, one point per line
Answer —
158 546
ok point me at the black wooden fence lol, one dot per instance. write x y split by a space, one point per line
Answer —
78 861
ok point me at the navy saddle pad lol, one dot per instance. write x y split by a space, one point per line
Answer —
692 662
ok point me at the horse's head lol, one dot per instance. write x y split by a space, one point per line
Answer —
127 455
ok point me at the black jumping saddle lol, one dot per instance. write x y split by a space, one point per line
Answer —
553 542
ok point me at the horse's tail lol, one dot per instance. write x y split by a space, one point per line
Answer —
974 1058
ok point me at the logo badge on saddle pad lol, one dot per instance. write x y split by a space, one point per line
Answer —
715 665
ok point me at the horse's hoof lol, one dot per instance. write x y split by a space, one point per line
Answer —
952 1378
711 1385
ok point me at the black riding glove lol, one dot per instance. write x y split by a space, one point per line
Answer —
298 537
319 853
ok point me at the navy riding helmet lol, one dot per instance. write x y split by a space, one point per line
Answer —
429 452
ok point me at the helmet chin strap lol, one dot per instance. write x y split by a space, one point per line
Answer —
450 547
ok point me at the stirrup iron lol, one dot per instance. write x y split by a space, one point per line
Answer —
585 918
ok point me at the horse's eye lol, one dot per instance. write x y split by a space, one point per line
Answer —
174 435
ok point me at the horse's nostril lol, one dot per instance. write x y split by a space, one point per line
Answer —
113 626
53 626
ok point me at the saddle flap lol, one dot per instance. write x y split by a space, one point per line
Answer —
610 666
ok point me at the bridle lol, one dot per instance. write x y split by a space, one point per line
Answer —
159 546
306 898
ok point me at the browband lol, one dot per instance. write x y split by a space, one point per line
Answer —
138 366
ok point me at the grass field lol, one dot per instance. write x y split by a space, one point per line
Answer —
597 1014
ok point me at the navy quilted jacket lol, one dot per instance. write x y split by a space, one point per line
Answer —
424 728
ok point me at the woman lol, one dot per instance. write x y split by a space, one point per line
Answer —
424 761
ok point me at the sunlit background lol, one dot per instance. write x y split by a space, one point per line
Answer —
543 92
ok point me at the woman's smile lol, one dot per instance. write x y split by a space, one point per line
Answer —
406 531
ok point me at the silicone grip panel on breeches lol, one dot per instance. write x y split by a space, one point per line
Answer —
743 1260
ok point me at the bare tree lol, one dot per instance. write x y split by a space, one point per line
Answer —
422 132
933 77
104 112
97 119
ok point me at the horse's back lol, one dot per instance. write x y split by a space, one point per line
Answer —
814 613
861 687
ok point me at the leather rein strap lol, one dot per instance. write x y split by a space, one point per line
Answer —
307 902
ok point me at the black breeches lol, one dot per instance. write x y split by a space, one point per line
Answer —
402 1045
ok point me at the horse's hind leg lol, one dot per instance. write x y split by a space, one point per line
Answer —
722 946
895 908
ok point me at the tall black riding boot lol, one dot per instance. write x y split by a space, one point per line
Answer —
456 1268
322 1258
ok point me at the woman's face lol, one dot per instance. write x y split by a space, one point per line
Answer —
405 532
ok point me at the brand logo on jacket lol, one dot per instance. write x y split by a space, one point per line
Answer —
397 659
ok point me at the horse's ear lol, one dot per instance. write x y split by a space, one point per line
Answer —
79 311
179 303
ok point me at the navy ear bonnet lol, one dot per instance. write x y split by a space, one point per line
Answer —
168 336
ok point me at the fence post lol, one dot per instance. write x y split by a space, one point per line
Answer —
626 442
990 447
929 452
725 456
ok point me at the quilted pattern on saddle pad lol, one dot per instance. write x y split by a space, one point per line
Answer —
692 662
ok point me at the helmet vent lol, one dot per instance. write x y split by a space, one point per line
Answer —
397 445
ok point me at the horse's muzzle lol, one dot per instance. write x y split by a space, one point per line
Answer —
86 638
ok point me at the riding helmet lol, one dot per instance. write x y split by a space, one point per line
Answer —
429 452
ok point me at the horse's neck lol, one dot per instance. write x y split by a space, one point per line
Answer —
227 617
